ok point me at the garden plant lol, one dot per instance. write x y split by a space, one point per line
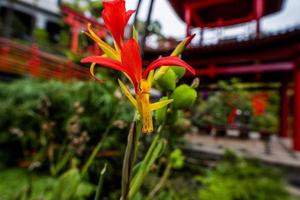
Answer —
78 140
125 57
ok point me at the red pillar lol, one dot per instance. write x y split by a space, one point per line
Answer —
259 10
75 36
296 132
284 109
188 18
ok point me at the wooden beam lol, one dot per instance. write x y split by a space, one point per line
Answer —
229 22
245 69
203 4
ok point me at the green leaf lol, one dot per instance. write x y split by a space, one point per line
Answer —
177 159
84 190
67 185
135 34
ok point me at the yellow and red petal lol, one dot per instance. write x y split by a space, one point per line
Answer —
177 51
106 48
168 61
112 64
181 46
128 94
92 69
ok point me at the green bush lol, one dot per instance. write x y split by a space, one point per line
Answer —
242 179
42 118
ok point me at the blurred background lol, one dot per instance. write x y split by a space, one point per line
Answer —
239 141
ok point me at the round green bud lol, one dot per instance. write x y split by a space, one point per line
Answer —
184 96
179 71
168 81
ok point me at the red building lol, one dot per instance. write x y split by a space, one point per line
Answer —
264 58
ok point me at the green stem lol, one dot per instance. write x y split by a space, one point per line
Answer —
100 183
129 157
161 183
138 134
152 153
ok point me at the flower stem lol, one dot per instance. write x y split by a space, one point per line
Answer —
152 154
129 157
100 183
161 183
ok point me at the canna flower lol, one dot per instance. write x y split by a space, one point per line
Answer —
115 18
131 66
125 57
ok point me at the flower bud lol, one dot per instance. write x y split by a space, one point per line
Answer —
184 96
167 81
179 71
195 83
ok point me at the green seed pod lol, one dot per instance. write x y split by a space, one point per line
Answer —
160 114
184 96
179 71
167 82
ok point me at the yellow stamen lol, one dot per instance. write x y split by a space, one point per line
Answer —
145 107
142 102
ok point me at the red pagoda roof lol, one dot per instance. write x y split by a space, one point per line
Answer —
216 13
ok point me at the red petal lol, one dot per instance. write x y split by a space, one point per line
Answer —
128 15
116 18
189 39
168 61
131 58
106 62
110 63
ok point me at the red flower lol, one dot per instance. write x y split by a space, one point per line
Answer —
131 63
116 18
125 57
259 104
